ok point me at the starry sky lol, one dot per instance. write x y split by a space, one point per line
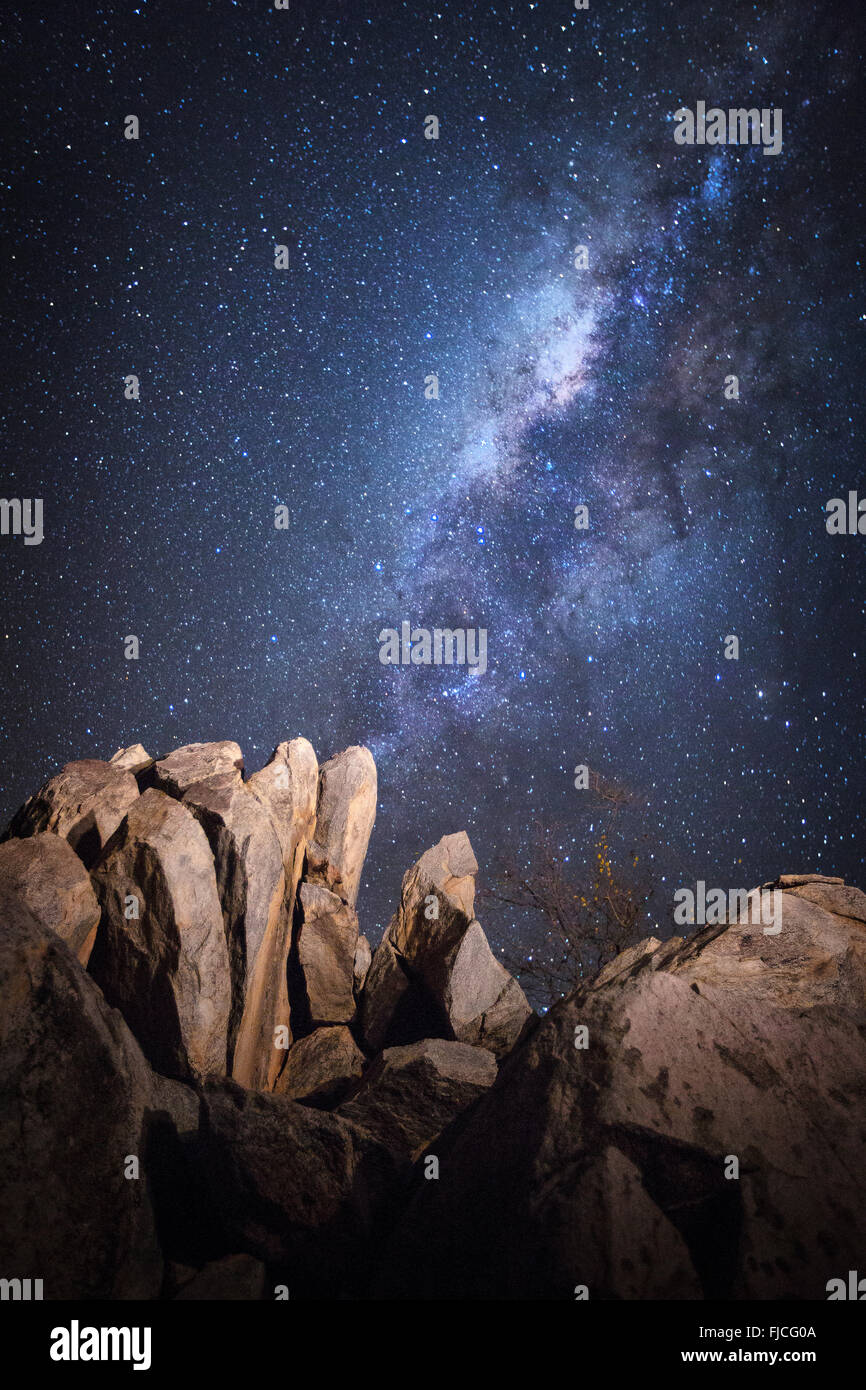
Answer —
558 386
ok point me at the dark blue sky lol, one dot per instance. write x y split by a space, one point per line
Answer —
558 386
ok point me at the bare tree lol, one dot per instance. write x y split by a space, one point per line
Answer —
571 918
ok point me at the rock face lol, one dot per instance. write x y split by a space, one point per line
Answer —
84 803
411 1093
197 762
817 957
160 954
74 1098
321 1067
831 893
327 934
613 1151
287 787
251 883
435 941
45 874
345 814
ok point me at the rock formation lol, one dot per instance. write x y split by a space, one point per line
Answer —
390 1008
134 759
436 951
345 813
327 934
362 963
291 1185
613 1151
234 1098
197 762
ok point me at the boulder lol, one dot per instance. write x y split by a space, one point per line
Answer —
702 1139
197 762
484 1005
321 1067
74 1108
45 874
251 883
410 1094
327 933
345 814
438 944
84 803
134 759
799 968
160 954
436 905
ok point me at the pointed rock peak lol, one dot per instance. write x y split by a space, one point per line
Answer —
288 786
298 757
450 867
133 759
345 814
437 901
252 888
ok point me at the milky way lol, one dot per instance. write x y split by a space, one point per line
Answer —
559 386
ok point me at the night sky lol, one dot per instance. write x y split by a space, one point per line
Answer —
558 386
